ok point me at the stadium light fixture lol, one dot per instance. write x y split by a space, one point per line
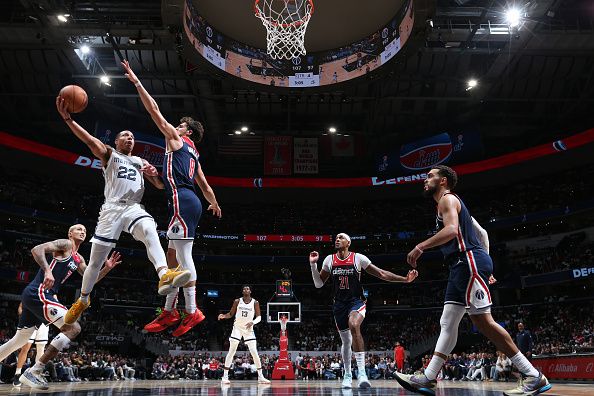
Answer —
237 132
85 49
244 129
472 83
63 17
513 17
332 130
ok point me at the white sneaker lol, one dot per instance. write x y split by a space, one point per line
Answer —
347 380
363 381
263 381
34 379
225 381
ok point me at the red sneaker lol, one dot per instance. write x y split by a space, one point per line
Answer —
189 321
163 321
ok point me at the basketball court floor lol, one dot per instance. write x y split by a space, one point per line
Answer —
278 388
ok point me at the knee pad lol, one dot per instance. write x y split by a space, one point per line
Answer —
60 342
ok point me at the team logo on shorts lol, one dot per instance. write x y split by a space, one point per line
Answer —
53 312
479 294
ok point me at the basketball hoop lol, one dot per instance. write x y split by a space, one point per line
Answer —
285 22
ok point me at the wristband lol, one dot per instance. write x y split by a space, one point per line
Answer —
67 119
419 249
137 84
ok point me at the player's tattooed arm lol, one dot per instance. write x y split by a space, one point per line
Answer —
97 147
39 253
390 276
231 313
152 175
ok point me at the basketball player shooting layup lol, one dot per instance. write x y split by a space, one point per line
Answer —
180 169
247 314
349 302
467 289
40 305
124 188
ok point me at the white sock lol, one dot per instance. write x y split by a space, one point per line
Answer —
190 297
434 367
162 272
38 366
523 365
18 371
225 373
360 359
171 300
260 375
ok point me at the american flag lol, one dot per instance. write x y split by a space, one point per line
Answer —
240 145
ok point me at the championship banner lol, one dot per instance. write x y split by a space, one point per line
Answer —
566 367
305 153
278 152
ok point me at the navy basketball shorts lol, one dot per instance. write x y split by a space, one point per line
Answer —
184 209
468 282
342 310
40 307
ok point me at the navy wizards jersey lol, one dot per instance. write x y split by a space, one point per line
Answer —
180 167
61 270
346 278
466 239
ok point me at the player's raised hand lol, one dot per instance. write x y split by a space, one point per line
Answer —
129 73
62 108
216 210
411 276
314 257
48 280
113 260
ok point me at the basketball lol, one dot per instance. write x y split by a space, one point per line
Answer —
75 97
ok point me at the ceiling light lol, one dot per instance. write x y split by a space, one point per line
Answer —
62 18
513 17
471 84
85 49
332 130
104 80
244 129
237 132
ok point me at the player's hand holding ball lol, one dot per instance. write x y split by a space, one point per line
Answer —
314 257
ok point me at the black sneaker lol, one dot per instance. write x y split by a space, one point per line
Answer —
15 380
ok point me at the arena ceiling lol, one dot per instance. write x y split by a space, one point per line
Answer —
533 81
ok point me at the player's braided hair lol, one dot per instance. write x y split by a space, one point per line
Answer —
196 127
449 174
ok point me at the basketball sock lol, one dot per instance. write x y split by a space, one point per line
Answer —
18 371
99 254
145 231
360 358
183 253
434 367
190 297
162 272
38 366
345 349
523 365
226 373
171 300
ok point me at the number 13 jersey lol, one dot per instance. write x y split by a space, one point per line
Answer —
245 313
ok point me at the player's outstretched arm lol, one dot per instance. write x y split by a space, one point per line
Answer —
208 192
231 313
40 251
114 260
98 148
321 277
390 276
152 107
150 173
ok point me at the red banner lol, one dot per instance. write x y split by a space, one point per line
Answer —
278 155
566 367
287 238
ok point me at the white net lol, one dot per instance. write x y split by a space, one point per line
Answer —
285 22
283 322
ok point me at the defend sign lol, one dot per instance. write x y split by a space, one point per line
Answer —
583 272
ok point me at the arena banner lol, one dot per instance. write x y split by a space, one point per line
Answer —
305 155
444 148
569 367
148 147
278 152
501 161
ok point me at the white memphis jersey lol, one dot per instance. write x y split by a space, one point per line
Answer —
245 312
123 179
